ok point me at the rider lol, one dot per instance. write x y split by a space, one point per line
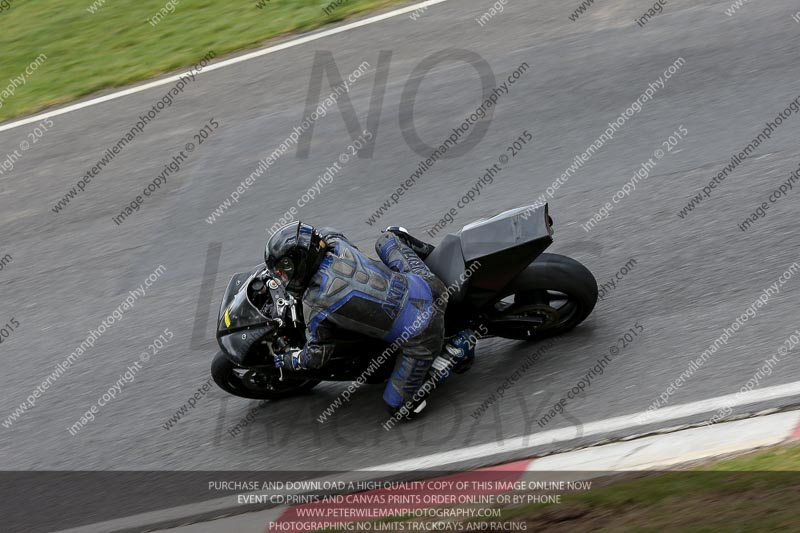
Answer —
396 299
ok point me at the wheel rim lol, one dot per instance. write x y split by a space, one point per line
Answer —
535 312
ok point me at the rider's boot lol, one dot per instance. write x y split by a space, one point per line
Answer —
457 355
422 249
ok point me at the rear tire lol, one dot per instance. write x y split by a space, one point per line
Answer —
551 296
248 383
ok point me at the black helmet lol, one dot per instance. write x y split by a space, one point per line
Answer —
294 253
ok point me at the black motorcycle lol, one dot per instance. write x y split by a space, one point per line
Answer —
499 283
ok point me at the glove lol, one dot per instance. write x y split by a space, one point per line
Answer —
288 360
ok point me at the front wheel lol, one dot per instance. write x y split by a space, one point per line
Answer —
249 383
551 296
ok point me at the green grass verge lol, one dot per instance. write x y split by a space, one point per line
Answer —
116 45
756 492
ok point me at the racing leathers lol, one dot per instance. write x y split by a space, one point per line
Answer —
395 299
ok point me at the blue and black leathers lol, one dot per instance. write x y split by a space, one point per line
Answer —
396 299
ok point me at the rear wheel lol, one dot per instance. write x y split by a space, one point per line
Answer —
249 383
551 296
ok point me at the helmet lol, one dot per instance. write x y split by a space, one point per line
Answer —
294 254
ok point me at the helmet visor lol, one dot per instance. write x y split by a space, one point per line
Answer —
285 269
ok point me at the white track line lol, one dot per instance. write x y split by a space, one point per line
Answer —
670 449
222 64
665 414
518 444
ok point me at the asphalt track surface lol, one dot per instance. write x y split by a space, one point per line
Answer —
693 276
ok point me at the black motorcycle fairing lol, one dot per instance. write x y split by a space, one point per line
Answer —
506 231
236 282
447 262
240 346
240 312
494 251
241 325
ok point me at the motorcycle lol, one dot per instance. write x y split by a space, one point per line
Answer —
499 281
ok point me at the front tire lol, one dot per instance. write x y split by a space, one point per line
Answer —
551 296
254 385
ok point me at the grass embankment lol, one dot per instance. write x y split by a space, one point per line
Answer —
754 492
92 45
